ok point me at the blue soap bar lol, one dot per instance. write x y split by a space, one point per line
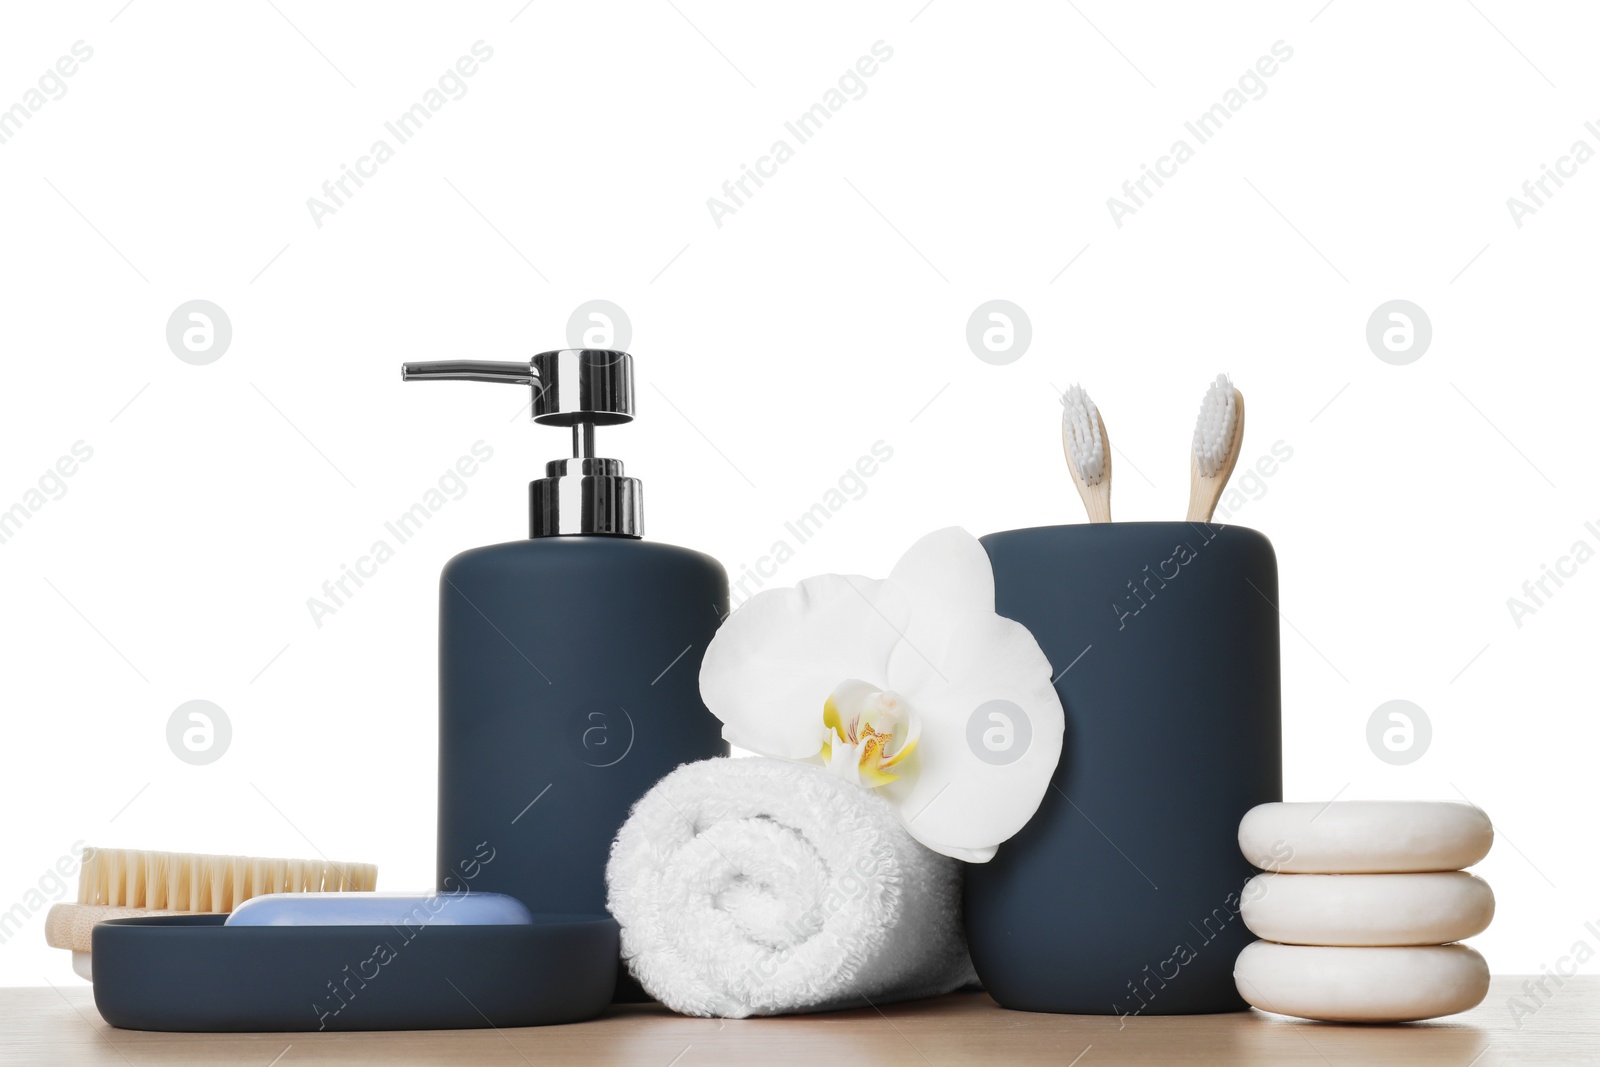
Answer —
381 909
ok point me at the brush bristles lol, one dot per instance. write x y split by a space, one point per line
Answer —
1085 444
1213 431
178 881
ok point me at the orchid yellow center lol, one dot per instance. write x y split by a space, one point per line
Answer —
867 731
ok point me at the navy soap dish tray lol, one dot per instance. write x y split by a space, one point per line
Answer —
190 973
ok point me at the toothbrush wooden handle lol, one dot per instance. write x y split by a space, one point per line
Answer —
1096 499
1203 494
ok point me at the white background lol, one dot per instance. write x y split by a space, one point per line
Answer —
827 313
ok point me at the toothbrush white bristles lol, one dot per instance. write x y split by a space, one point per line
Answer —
1081 428
1088 450
1218 435
1213 431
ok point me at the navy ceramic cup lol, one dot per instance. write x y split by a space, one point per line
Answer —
1122 895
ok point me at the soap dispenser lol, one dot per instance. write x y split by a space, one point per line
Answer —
569 662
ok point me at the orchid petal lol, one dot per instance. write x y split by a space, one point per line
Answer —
773 662
958 803
909 745
946 576
966 855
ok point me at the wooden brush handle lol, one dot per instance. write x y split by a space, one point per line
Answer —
69 925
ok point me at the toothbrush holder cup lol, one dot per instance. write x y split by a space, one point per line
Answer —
1122 895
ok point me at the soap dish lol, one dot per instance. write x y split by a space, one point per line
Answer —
191 973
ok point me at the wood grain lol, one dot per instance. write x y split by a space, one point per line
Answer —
59 1026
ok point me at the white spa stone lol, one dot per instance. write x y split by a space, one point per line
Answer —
1365 836
1367 909
1364 985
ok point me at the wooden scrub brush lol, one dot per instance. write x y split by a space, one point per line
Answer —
125 883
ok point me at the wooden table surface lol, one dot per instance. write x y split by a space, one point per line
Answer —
51 1026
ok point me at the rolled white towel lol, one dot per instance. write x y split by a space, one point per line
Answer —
758 886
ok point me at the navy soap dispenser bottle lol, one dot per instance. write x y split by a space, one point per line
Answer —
569 662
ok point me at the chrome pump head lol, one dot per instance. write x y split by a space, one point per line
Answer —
581 388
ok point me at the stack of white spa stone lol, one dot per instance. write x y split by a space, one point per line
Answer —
1362 908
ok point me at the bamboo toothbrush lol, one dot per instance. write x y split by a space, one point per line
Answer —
1218 437
118 883
1088 449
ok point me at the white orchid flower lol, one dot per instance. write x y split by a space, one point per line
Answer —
911 685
